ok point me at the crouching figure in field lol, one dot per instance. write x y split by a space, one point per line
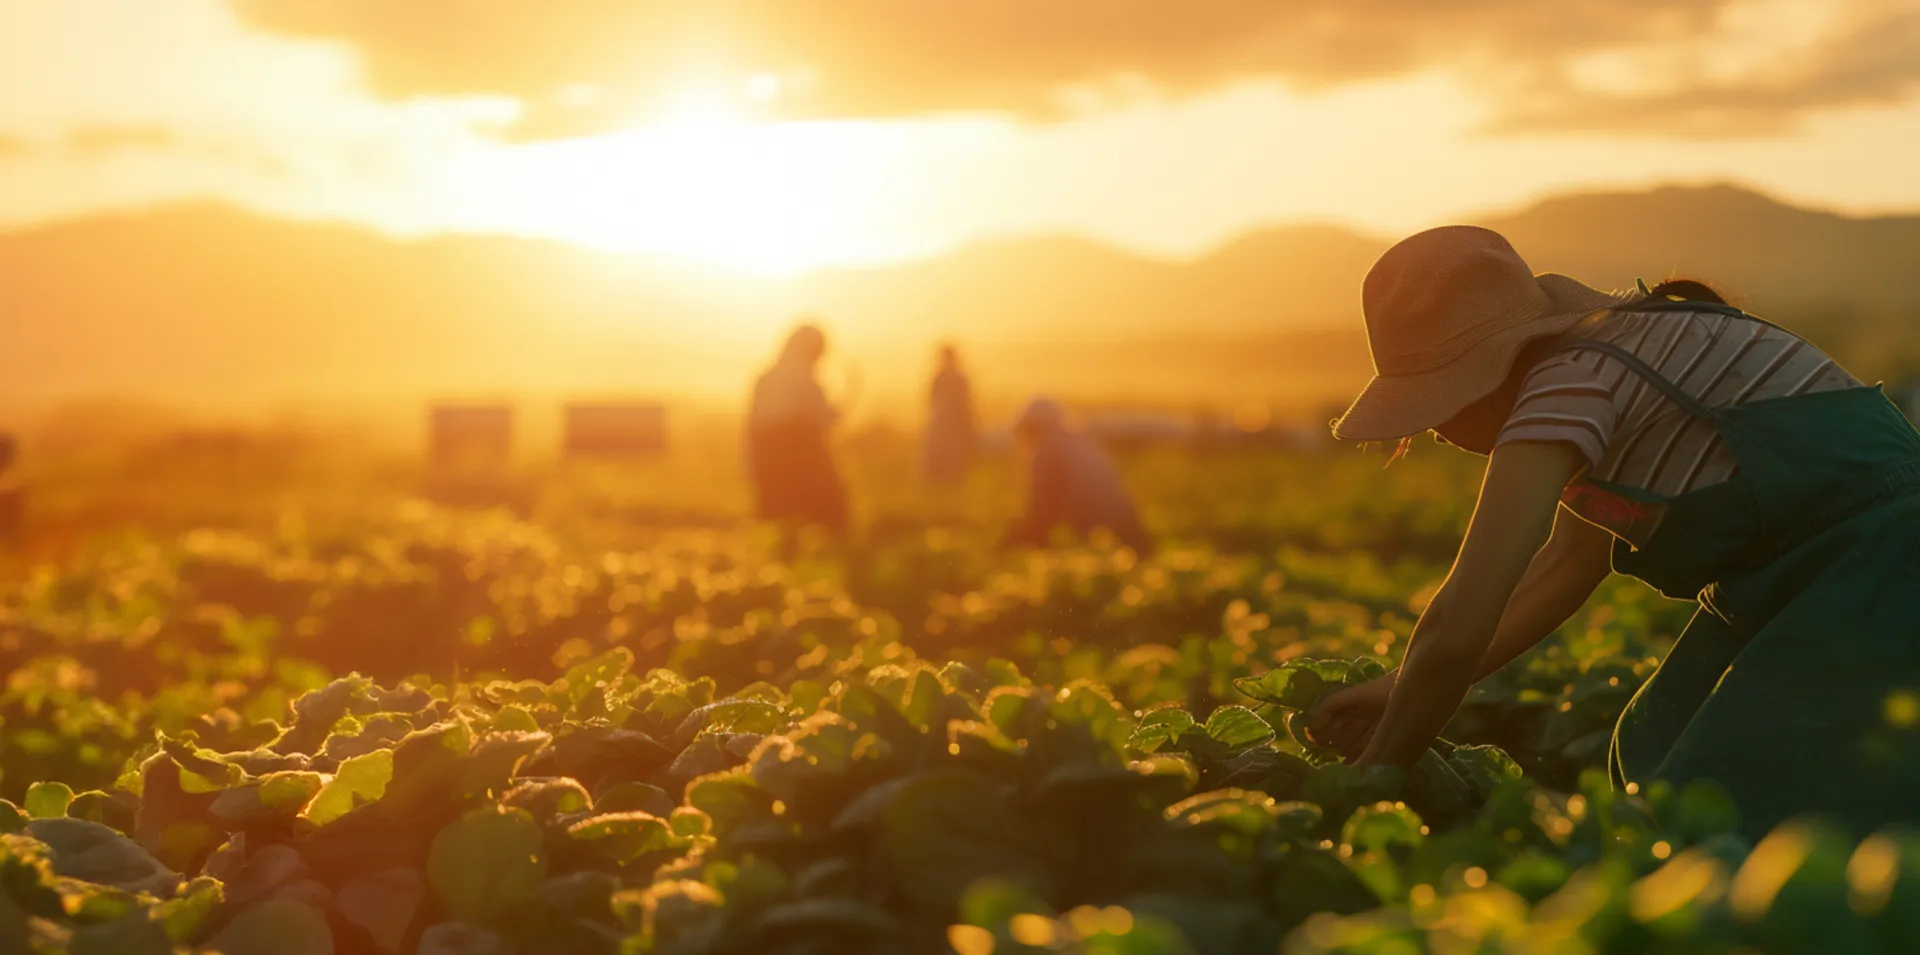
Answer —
1070 483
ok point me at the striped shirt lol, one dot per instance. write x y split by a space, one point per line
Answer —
1635 436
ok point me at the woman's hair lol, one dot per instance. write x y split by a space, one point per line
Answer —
1687 290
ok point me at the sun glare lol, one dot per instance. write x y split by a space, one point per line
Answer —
699 179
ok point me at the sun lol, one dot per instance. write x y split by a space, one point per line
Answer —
700 180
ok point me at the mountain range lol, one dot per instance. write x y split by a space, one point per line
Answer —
209 305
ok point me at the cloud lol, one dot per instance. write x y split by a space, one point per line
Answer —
110 141
581 65
92 142
106 140
1873 58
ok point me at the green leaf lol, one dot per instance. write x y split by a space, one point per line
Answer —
730 798
1295 819
598 674
186 912
869 711
90 904
1705 809
688 823
1004 704
1672 900
1340 788
289 789
458 938
733 716
493 759
201 770
944 830
1483 768
361 779
48 800
272 801
1435 787
1793 889
1246 812
1158 728
924 701
1002 672
1278 774
548 797
135 934
860 925
12 817
275 927
867 808
630 797
1533 874
88 851
992 903
383 903
427 766
1384 827
625 836
1364 669
104 808
515 718
805 696
1308 882
1296 688
487 862
1237 727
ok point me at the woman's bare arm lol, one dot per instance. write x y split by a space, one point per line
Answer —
1559 579
1512 520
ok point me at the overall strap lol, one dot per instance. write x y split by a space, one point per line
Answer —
1692 405
1676 305
1644 370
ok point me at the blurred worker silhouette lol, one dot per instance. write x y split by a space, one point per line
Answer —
788 424
1071 483
952 431
13 496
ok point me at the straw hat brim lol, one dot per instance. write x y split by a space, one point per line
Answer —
1391 407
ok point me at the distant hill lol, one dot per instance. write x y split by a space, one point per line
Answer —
1851 284
204 304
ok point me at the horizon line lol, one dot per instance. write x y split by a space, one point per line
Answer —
985 240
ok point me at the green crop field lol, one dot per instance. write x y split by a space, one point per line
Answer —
299 706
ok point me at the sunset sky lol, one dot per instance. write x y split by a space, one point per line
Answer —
782 135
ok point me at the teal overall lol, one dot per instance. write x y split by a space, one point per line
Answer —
1797 683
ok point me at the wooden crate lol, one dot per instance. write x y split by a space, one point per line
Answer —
470 437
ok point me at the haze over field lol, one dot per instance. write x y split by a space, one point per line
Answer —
210 306
233 203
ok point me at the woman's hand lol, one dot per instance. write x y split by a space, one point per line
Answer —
1345 720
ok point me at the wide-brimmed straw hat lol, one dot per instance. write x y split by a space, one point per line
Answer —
1448 310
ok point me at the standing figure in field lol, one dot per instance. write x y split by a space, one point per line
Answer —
13 497
1670 436
789 421
1070 483
952 431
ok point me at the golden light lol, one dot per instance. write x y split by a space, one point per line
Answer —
762 87
700 179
